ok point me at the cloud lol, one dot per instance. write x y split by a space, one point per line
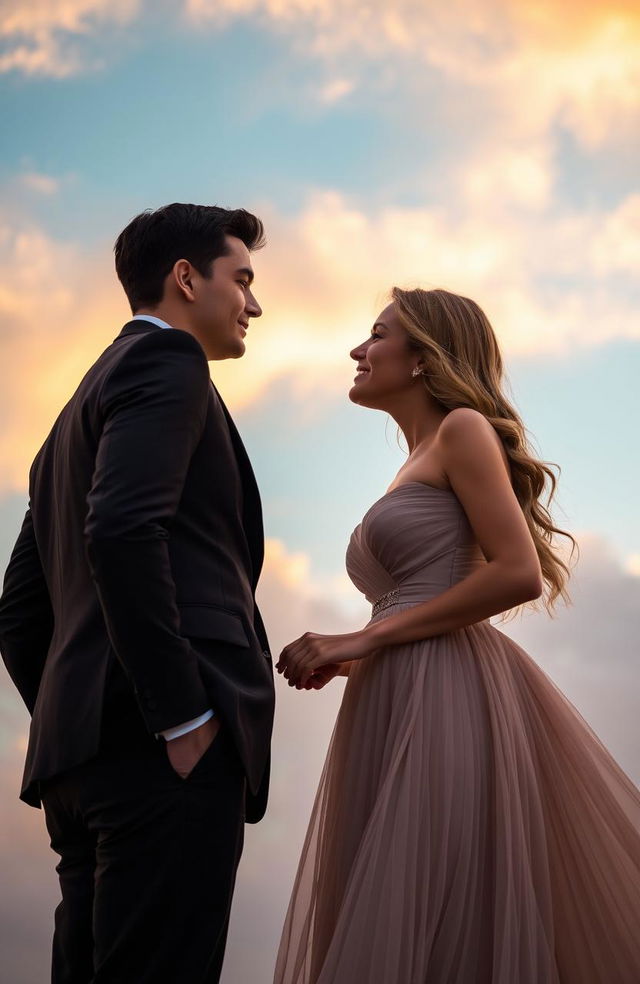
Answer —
586 67
633 565
547 282
615 244
551 284
29 884
335 90
42 184
44 38
52 329
578 65
530 63
297 601
520 176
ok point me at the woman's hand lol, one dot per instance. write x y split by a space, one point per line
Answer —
312 655
324 675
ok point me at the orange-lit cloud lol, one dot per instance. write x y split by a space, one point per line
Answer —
537 61
54 326
40 37
575 63
325 274
321 280
617 246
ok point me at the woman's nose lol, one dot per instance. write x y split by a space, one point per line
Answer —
358 352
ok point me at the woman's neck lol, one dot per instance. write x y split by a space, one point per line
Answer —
419 418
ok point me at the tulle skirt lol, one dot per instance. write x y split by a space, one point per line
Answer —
469 828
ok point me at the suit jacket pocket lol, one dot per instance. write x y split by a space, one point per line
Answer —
208 622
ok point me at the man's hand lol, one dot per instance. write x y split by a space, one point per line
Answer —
184 752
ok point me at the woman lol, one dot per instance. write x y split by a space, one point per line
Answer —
469 827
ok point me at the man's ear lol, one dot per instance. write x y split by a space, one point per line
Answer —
182 274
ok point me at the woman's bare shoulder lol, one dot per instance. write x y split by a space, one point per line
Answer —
466 433
465 422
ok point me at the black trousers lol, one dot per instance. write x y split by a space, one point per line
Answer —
147 862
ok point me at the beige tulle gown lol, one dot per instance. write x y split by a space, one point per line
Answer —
469 827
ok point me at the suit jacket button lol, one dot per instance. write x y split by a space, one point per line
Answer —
266 654
152 705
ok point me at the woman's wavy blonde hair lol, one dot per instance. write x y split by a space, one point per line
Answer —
463 368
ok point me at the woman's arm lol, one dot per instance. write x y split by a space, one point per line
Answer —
474 462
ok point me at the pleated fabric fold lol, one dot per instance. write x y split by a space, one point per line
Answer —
469 828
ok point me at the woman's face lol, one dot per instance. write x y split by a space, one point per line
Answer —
385 362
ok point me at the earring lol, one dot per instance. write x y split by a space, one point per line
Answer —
417 372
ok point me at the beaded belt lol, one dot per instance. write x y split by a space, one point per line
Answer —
385 601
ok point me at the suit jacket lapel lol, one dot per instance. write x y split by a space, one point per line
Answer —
252 506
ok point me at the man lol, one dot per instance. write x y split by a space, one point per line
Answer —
128 621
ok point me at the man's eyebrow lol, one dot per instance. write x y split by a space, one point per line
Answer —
246 272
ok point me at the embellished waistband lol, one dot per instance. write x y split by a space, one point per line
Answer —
385 601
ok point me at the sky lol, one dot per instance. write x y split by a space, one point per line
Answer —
489 147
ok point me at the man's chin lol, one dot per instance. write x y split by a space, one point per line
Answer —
234 351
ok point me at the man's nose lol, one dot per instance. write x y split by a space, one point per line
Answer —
252 307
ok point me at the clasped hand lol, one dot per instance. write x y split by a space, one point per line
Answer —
313 660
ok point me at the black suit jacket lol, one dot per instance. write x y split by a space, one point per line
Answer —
137 563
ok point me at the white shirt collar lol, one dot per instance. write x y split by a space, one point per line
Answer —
154 321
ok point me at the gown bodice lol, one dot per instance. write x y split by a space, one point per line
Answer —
412 544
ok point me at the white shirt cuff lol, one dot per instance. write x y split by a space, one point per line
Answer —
184 729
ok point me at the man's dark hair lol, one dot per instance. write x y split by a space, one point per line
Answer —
152 242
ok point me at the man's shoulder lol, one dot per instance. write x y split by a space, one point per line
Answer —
143 353
149 340
135 352
123 367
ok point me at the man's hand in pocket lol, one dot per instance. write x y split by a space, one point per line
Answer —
184 752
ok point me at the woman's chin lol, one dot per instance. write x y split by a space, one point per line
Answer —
357 396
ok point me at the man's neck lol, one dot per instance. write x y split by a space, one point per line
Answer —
163 313
172 318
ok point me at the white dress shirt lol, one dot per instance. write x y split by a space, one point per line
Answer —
180 729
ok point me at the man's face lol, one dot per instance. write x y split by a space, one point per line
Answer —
224 303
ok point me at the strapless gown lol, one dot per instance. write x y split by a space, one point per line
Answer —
469 827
